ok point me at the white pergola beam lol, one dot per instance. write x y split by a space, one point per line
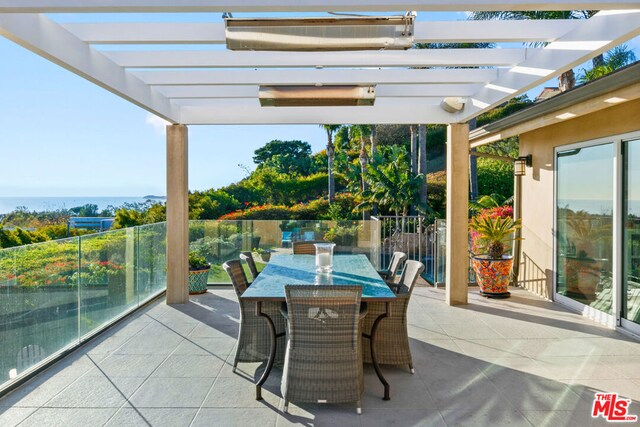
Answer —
46 38
311 77
596 35
239 112
230 59
382 91
385 102
425 32
153 6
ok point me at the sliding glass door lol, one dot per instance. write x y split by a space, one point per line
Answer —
631 231
584 226
597 229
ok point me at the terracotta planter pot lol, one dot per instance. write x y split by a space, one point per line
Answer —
493 275
198 281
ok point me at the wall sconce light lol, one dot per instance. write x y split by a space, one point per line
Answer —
520 165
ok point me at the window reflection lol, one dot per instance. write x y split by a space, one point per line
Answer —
585 225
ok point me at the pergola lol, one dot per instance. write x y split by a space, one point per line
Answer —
207 84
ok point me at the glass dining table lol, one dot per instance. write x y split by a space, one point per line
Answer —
301 270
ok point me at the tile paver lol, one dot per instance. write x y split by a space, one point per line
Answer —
522 361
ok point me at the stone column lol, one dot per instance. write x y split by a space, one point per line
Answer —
177 215
457 273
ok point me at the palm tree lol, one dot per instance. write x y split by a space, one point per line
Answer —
422 130
331 130
422 162
414 149
567 80
374 150
615 59
362 132
391 183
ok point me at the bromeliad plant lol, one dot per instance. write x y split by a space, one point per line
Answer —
491 236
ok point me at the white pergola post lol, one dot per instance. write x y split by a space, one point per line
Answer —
457 270
177 215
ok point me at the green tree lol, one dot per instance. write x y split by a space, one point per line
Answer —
495 176
291 157
391 183
211 204
128 218
89 209
613 60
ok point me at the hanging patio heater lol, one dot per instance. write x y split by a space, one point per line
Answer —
317 96
332 33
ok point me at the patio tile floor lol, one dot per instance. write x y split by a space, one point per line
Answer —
517 362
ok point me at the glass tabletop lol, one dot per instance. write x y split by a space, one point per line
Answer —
301 270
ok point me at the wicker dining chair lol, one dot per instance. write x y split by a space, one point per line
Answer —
304 247
392 339
323 362
254 344
389 275
248 258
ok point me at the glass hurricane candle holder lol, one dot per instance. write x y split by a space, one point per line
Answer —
324 257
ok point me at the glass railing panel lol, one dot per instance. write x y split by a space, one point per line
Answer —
107 277
55 294
151 259
7 269
39 306
219 241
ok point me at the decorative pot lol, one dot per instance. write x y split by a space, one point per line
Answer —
493 275
198 281
265 256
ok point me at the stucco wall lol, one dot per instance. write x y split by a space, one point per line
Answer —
536 268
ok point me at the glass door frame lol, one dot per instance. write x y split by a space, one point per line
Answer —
622 322
610 320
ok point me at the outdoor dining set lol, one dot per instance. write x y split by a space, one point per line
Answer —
322 316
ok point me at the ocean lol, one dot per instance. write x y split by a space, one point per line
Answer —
39 204
598 207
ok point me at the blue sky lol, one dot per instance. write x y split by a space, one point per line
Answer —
64 136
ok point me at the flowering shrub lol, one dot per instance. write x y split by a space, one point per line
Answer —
316 209
259 212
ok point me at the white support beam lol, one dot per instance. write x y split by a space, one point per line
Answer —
238 112
154 6
230 59
311 77
425 32
48 39
518 31
388 102
382 91
596 35
149 32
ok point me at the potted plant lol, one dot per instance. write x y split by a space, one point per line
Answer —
265 254
490 239
198 273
